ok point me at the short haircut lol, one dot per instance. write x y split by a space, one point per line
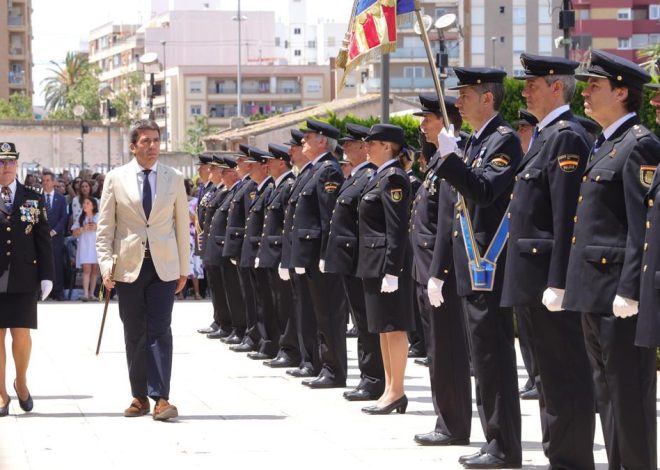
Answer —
453 115
144 124
48 173
567 80
635 96
331 144
496 89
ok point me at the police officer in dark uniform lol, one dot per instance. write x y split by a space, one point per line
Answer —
340 257
431 224
309 240
540 220
484 179
269 255
605 261
26 267
648 325
238 209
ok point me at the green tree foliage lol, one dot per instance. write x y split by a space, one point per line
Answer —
18 106
125 100
195 134
70 84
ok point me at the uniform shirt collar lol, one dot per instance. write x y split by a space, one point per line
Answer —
12 188
266 180
280 178
552 115
234 185
139 168
481 130
357 168
305 166
612 128
388 163
316 160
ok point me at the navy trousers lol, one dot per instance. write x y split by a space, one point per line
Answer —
145 308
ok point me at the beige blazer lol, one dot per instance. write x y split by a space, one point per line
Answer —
123 228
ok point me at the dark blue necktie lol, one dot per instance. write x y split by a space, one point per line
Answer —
6 198
48 201
146 194
535 136
598 143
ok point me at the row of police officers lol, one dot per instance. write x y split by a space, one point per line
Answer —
563 231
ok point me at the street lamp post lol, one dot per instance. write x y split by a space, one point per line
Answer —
240 19
79 111
105 90
167 134
493 40
151 66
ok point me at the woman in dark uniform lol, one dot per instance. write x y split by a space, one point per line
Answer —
384 261
26 267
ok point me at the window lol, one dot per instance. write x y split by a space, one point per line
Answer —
331 41
544 13
413 72
624 43
584 14
478 45
195 86
654 12
545 44
478 15
311 44
313 86
297 53
519 15
439 12
624 14
277 42
639 40
195 109
453 49
296 30
519 44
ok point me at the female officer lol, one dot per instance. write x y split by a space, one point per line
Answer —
384 261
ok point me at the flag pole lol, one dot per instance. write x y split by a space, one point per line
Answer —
434 70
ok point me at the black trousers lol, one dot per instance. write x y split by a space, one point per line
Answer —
526 351
58 260
305 322
250 298
329 307
145 308
370 358
566 397
267 321
221 313
234 296
419 337
450 366
625 384
495 374
284 309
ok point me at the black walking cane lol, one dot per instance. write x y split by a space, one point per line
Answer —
107 302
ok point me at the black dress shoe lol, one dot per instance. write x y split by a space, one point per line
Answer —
243 347
435 438
424 361
209 329
232 339
531 394
27 404
280 362
464 458
301 372
322 382
4 411
412 352
218 334
487 460
399 405
352 333
259 356
359 394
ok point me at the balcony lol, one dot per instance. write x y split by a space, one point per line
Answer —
17 78
15 20
409 53
16 51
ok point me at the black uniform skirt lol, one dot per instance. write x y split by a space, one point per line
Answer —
392 311
19 310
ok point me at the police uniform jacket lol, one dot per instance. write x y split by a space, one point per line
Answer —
290 213
26 257
415 182
541 211
254 224
202 209
270 250
238 208
608 237
648 323
342 251
313 212
485 178
215 225
384 213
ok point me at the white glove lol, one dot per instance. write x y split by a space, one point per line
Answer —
553 298
624 308
256 262
435 291
390 284
447 141
283 273
46 287
233 261
299 270
322 265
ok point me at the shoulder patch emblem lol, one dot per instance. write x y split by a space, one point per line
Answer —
568 163
640 131
396 194
501 160
252 195
330 187
646 173
504 130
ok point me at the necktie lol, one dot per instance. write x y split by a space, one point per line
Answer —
48 206
598 143
6 197
535 135
146 194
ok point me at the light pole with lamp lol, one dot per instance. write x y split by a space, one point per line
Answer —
105 91
167 134
79 112
493 40
240 19
150 64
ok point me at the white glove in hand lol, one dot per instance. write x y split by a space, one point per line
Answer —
553 298
390 284
435 291
46 287
256 262
447 141
624 308
299 270
283 273
322 265
233 261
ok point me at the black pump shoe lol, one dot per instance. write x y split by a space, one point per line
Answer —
399 405
4 411
27 404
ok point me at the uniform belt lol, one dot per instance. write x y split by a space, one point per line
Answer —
147 253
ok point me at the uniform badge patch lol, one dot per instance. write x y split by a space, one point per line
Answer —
330 187
501 160
396 194
646 173
252 195
568 163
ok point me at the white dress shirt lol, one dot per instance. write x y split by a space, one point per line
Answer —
152 178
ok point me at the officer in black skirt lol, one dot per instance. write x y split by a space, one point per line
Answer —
26 267
384 260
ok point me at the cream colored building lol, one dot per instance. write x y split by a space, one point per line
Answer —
15 47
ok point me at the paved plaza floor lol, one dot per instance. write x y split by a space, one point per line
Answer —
234 412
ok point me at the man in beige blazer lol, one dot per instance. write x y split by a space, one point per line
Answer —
144 221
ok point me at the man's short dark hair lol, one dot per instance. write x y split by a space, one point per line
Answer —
142 125
48 173
635 97
496 89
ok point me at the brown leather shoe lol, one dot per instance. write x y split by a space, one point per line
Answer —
139 407
164 411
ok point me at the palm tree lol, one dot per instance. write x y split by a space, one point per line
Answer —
652 55
56 87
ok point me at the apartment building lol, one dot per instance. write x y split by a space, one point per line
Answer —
116 49
15 47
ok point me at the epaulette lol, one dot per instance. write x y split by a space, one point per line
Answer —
34 189
392 171
640 131
563 124
412 178
504 130
326 163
